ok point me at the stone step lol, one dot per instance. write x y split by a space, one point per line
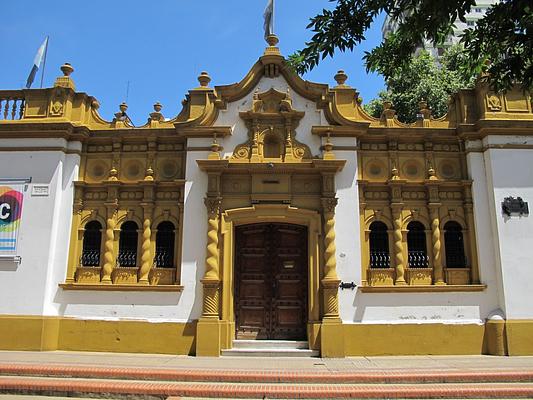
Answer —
269 352
229 375
134 389
270 344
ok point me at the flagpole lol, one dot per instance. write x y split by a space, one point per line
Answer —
273 13
44 60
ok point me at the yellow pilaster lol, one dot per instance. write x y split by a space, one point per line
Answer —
208 340
436 242
332 336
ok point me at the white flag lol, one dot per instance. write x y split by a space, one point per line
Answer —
37 62
269 18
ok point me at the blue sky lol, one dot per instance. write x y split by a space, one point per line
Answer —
160 47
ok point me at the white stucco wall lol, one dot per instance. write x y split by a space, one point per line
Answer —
45 225
510 173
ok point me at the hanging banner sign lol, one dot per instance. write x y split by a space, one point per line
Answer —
11 196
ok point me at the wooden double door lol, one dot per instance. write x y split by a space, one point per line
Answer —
271 269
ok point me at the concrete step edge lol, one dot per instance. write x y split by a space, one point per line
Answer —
137 389
247 375
270 344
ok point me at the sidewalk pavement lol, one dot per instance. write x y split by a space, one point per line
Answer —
475 363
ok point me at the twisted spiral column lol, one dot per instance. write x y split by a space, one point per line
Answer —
330 263
435 239
330 282
398 248
146 257
211 280
109 256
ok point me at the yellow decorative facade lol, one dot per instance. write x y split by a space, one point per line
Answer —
268 208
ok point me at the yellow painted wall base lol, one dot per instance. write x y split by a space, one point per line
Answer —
412 339
124 336
519 337
332 340
208 339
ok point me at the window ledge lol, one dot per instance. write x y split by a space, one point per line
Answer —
422 288
121 288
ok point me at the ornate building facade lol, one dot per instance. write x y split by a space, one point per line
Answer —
273 208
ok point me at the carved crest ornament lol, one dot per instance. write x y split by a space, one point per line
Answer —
271 124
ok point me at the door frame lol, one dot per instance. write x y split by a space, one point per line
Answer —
265 213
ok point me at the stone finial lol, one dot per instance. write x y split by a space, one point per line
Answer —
204 79
387 116
424 110
215 149
272 40
65 81
156 116
328 149
67 69
340 77
395 175
425 113
121 115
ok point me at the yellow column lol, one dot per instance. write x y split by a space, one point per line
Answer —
146 257
332 335
398 246
109 257
436 242
208 338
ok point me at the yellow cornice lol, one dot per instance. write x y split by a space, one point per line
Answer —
204 131
229 166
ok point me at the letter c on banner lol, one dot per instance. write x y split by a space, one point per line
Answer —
5 211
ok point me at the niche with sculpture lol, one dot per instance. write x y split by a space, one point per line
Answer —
271 127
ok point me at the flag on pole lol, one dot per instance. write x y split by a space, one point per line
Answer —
269 18
37 62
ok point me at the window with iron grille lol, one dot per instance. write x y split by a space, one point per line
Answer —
416 245
164 245
92 239
127 246
379 245
454 245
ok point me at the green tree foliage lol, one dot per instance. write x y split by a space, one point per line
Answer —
500 44
422 78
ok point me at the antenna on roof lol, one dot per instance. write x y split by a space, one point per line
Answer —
127 91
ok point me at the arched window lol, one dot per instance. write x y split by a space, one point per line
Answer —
416 245
454 244
379 245
164 245
92 239
127 245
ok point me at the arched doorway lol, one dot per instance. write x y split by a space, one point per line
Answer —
271 281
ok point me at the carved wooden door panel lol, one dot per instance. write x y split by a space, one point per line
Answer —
271 281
